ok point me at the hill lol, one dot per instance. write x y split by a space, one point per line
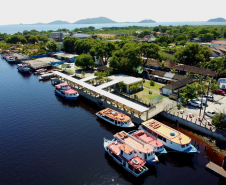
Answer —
147 21
59 22
217 20
98 20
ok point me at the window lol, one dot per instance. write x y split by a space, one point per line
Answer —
164 139
149 154
160 137
182 146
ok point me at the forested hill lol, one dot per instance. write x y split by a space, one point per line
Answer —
59 22
217 20
98 20
147 21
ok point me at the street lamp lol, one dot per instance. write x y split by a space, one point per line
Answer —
178 94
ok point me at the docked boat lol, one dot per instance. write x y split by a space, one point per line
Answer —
38 71
23 68
47 76
149 139
143 150
171 138
115 118
10 58
65 91
126 157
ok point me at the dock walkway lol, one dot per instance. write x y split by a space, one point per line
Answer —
216 169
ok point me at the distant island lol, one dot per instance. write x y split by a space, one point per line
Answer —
217 20
98 20
59 22
147 21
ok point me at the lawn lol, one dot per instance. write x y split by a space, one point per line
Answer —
145 96
156 87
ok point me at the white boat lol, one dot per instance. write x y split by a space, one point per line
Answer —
143 150
65 91
10 59
171 138
46 76
126 157
115 118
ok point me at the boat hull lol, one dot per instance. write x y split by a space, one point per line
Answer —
123 126
63 96
190 150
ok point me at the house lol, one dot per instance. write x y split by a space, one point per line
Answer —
139 32
155 64
69 58
59 36
218 51
175 86
194 70
218 43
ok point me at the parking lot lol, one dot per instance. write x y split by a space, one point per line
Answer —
218 105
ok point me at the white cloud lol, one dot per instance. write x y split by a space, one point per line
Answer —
33 11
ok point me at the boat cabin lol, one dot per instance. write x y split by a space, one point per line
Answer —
63 86
145 151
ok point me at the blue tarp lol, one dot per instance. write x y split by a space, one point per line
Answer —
40 56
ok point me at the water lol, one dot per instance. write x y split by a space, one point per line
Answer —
11 29
46 140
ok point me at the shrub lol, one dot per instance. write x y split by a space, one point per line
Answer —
152 83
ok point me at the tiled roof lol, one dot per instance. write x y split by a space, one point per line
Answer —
219 41
179 84
195 70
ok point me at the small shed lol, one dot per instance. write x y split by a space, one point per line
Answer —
104 68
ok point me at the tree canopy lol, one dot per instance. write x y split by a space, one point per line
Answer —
52 45
84 61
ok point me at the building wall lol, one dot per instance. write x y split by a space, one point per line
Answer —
215 44
54 34
166 91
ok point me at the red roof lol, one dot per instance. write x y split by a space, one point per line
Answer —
219 41
70 91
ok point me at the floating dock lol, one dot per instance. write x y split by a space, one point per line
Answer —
216 169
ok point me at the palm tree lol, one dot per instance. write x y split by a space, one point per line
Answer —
188 74
173 71
162 65
83 73
199 78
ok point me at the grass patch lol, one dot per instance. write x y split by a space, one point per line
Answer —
150 96
156 87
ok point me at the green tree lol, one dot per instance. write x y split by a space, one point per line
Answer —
189 93
52 45
218 120
173 71
84 61
69 44
162 65
33 39
149 51
188 74
83 73
193 54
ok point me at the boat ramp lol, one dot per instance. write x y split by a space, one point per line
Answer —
216 169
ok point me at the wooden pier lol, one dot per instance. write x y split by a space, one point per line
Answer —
216 169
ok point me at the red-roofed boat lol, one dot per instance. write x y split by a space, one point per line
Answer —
124 155
65 91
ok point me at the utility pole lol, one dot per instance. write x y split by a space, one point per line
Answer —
206 100
178 94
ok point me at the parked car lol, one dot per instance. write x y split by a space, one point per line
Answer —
223 89
219 91
210 113
202 100
209 97
195 103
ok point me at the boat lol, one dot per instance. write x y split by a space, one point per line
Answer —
4 56
47 76
38 71
24 68
65 91
10 59
143 150
115 118
126 157
171 138
149 139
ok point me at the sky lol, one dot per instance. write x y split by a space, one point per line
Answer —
34 11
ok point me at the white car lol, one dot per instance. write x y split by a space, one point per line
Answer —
202 100
195 103
210 113
209 97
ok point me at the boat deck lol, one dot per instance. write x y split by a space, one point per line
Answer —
216 169
115 115
166 131
147 138
144 148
